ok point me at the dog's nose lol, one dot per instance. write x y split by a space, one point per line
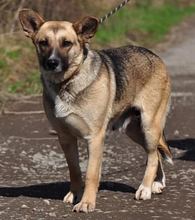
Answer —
52 63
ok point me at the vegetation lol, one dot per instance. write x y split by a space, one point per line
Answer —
140 22
144 24
18 66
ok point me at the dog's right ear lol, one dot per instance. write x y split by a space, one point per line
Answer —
30 21
86 28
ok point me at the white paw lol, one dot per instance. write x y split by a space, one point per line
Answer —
84 207
69 198
72 197
157 187
143 193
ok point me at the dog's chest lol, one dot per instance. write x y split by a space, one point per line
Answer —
65 112
59 99
62 107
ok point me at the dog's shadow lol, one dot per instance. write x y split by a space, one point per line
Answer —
58 190
188 145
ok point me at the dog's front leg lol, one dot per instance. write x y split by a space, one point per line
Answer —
88 200
69 145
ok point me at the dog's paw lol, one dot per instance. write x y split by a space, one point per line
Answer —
157 187
69 198
84 207
143 193
72 197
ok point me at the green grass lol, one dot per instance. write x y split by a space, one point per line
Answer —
4 68
3 64
19 67
30 84
13 54
144 23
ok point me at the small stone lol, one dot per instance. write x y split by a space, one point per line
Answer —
65 216
176 134
52 153
24 206
137 202
118 179
107 212
52 214
37 157
24 169
98 210
23 153
35 132
174 176
46 201
52 131
123 211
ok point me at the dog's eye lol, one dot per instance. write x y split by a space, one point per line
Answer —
66 44
43 43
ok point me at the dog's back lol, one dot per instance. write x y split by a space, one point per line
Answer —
133 68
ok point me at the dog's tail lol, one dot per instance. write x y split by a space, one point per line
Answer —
164 150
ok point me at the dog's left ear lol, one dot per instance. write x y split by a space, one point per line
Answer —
30 21
86 28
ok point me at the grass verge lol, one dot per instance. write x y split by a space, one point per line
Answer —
18 66
143 24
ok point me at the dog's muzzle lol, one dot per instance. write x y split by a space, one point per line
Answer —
52 64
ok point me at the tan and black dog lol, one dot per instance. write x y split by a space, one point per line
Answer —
87 92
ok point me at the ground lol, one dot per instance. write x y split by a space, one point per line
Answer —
34 176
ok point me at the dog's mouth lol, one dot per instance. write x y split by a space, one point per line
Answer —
54 76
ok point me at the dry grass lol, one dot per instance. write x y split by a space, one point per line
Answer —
18 64
18 61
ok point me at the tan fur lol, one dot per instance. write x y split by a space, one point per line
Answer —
87 92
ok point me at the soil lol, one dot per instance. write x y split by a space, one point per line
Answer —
34 175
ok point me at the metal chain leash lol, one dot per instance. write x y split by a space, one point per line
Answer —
113 11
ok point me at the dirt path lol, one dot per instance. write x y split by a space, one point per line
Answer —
34 174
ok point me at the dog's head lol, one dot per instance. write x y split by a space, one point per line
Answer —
59 44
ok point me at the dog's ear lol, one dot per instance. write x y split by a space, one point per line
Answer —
30 21
86 28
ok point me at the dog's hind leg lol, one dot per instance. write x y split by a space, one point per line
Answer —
151 136
159 182
134 131
152 123
163 151
147 130
69 145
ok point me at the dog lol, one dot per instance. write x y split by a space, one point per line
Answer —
87 93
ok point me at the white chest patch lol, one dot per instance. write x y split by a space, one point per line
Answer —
62 108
